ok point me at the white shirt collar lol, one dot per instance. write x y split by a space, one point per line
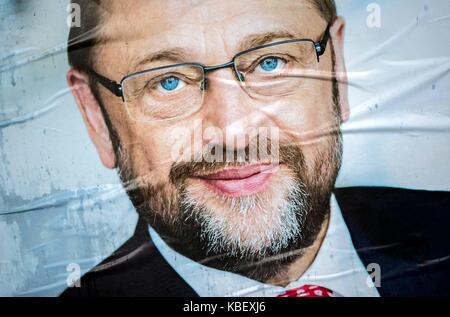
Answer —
336 266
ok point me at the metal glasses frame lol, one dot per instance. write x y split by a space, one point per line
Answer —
117 88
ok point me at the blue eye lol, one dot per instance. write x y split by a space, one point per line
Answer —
271 64
170 83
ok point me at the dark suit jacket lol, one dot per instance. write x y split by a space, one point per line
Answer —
405 231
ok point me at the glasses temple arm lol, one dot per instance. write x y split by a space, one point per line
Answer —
322 44
111 85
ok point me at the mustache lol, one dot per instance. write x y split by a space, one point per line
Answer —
206 163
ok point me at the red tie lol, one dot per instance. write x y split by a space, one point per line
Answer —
309 291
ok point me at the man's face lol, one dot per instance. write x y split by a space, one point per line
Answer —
240 207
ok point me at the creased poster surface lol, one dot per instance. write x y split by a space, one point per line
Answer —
62 212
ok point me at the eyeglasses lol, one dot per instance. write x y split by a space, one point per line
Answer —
267 71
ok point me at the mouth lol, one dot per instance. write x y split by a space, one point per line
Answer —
240 181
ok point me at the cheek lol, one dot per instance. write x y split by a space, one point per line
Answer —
308 118
148 154
307 115
154 149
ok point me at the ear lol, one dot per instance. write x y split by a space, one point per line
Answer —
92 116
337 33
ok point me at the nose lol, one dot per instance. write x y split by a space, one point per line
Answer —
230 111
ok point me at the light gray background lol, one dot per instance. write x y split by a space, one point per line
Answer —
59 205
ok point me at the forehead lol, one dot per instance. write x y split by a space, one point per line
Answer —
216 27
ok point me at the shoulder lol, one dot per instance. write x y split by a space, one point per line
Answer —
135 269
404 231
400 211
386 196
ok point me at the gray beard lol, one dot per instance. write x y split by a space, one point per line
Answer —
275 228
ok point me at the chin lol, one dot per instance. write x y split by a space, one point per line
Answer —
255 215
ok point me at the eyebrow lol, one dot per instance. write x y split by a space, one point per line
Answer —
254 40
174 55
178 54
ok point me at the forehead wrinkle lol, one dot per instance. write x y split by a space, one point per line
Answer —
234 46
173 55
254 40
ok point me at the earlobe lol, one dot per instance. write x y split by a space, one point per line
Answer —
337 32
92 116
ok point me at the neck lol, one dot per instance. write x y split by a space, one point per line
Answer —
297 268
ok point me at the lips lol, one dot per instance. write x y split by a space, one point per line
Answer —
241 181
